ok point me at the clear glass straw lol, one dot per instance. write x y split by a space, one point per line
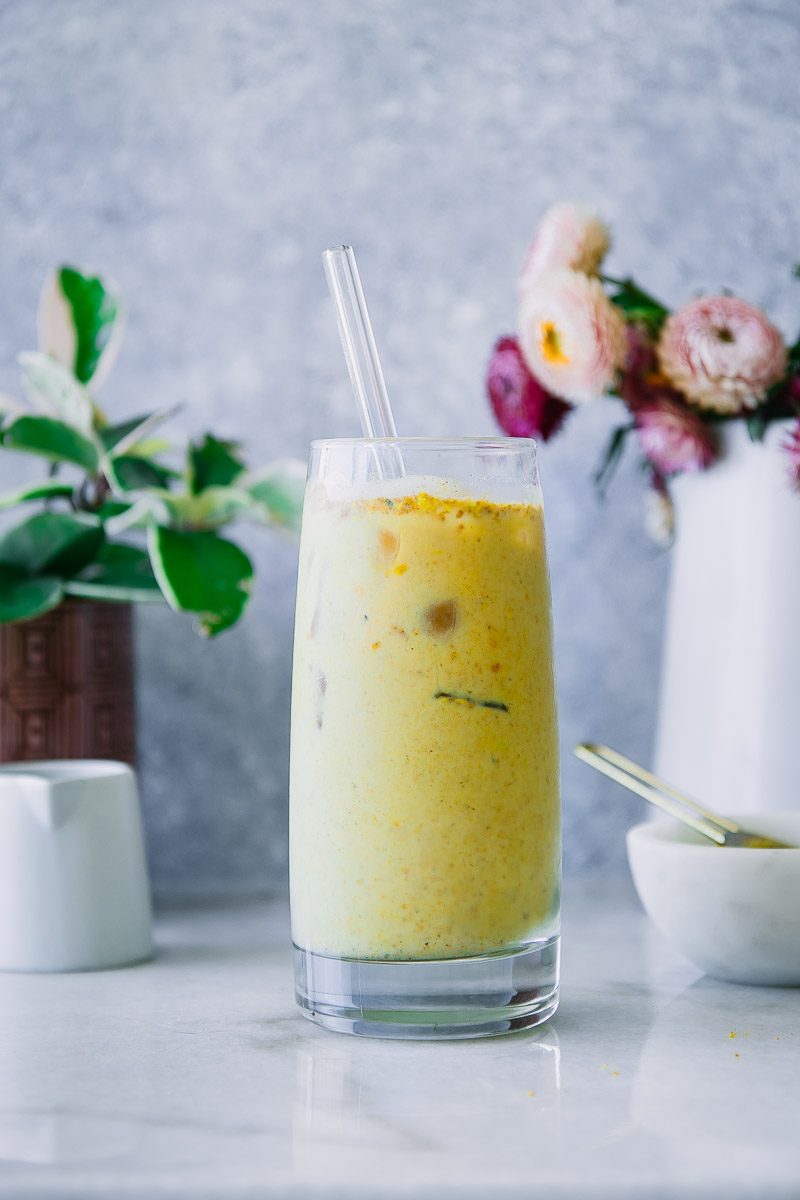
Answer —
358 343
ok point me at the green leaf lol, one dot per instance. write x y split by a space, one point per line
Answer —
22 598
112 508
52 543
123 438
122 556
793 365
129 473
149 448
611 459
52 439
110 435
630 294
51 385
47 489
757 423
213 464
638 306
94 313
201 573
280 488
213 507
275 497
120 572
116 593
153 507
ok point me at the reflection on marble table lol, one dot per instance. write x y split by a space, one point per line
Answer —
194 1075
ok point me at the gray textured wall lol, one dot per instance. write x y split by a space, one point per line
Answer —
204 153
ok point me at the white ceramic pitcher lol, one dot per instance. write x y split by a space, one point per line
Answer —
73 876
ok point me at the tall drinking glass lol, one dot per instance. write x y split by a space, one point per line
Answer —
425 817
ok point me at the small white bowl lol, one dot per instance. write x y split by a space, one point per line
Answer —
735 913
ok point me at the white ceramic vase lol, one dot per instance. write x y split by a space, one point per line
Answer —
729 719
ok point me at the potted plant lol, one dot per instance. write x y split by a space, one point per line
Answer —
710 396
113 521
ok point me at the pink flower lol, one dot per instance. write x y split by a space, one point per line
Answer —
639 380
722 353
673 437
567 237
571 336
792 448
522 406
640 356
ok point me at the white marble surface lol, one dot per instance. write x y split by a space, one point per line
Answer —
193 1076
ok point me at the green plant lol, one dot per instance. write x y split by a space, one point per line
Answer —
113 521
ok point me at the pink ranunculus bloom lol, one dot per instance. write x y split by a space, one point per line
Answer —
672 437
567 237
571 336
722 353
522 406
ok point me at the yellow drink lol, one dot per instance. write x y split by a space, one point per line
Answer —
424 780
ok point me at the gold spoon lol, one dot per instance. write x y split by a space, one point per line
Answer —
719 829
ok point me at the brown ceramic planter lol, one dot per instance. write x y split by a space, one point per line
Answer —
66 684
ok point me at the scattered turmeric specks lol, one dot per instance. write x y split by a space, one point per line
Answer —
491 720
